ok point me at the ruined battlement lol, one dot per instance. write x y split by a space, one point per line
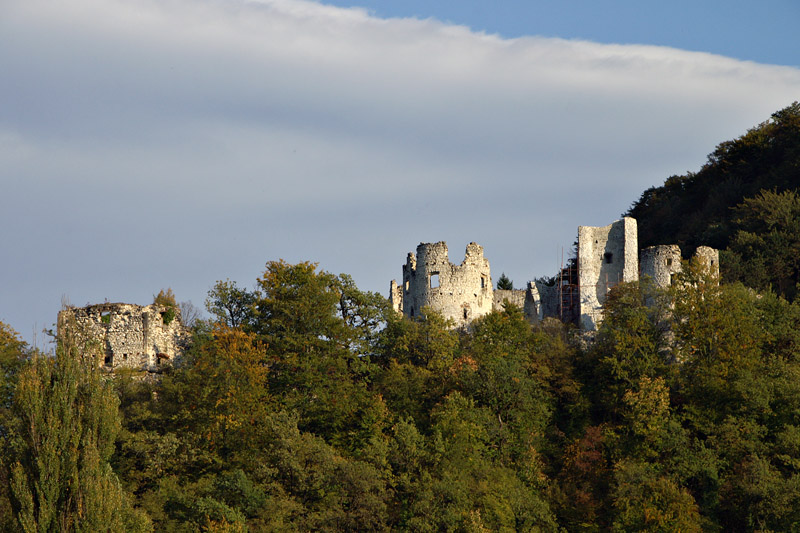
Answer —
607 256
133 336
459 292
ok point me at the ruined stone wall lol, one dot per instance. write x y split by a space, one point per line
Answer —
396 296
709 257
459 292
661 263
606 256
549 300
526 299
127 335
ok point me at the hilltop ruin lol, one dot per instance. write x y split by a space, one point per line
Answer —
143 338
607 256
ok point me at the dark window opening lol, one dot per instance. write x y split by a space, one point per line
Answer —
434 280
712 262
109 360
672 279
669 262
608 257
483 285
412 312
465 314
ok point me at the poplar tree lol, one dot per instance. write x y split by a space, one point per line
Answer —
67 422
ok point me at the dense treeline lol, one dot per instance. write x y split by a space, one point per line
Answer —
743 201
307 405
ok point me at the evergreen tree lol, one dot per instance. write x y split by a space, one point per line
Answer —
504 284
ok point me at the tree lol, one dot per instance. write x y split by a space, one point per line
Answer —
67 422
165 298
190 314
504 284
231 305
765 251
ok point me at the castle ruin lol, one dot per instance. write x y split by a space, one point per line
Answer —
606 256
145 338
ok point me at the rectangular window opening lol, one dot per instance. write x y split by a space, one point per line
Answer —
109 360
483 284
669 262
434 280
608 256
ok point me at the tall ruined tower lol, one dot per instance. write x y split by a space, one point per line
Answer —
459 292
607 256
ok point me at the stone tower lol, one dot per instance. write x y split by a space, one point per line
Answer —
661 263
459 292
709 257
607 256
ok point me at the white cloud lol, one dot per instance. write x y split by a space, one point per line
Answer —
179 141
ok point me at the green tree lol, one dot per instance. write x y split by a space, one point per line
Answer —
765 251
67 422
230 304
504 284
165 298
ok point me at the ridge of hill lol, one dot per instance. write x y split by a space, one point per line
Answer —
743 201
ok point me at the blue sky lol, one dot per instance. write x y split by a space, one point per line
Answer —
152 144
764 31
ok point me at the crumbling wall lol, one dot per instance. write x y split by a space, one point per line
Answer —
549 300
607 256
459 292
127 335
709 257
396 296
661 263
526 299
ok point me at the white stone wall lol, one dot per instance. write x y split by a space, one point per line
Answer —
660 263
709 257
127 335
526 299
459 292
607 256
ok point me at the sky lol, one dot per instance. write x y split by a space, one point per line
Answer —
173 143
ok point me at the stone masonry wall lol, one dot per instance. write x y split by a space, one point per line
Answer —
128 335
709 257
528 300
606 256
459 292
660 263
